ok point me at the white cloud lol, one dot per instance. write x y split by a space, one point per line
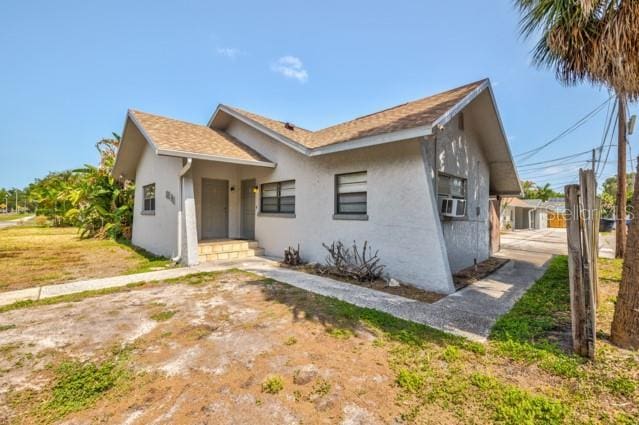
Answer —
291 67
229 52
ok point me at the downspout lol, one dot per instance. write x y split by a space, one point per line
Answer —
185 169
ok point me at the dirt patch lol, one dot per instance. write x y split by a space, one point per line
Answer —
31 256
472 274
401 290
207 362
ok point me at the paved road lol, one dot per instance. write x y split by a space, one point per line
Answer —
550 241
16 222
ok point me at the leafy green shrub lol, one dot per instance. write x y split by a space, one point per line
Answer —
409 380
90 197
273 385
451 353
78 385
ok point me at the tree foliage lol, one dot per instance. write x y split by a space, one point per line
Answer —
609 194
89 198
586 40
535 191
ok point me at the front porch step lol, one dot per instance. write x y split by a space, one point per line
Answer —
227 250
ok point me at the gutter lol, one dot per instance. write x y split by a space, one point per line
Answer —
185 169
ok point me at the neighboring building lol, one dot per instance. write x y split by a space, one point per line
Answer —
523 214
413 180
556 212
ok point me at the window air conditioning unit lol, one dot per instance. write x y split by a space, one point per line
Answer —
451 207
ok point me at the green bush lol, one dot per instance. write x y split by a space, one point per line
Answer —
273 385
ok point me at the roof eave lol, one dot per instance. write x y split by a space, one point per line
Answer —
130 117
459 106
503 132
217 158
378 139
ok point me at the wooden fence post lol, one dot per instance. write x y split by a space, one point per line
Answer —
582 235
588 202
575 267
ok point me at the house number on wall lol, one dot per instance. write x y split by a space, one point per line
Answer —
170 197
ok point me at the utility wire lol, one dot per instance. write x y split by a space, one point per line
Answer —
563 171
601 170
556 159
611 119
530 153
545 167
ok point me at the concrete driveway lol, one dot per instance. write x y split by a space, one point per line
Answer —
550 241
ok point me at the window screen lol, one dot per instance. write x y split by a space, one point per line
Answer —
451 187
278 197
149 197
350 192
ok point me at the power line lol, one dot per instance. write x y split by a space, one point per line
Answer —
556 159
563 171
544 167
610 120
612 135
529 154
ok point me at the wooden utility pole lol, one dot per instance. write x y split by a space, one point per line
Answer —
621 230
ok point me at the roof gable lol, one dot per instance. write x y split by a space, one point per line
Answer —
168 136
422 113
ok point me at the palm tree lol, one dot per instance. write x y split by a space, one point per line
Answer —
545 193
597 41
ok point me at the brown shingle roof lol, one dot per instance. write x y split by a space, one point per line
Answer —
413 114
174 135
515 202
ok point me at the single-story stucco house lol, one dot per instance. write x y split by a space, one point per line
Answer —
523 214
414 180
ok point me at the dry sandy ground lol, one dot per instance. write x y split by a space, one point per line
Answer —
206 364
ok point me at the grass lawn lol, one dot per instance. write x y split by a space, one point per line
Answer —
227 347
12 216
31 256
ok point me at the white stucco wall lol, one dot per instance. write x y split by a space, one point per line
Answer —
542 219
157 233
508 218
457 152
402 225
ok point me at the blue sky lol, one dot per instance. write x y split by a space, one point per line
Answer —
70 69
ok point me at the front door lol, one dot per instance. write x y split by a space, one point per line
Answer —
215 209
248 209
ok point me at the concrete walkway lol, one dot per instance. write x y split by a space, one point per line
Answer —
470 312
48 291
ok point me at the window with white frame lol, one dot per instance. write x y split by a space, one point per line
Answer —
351 193
149 198
450 188
278 197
